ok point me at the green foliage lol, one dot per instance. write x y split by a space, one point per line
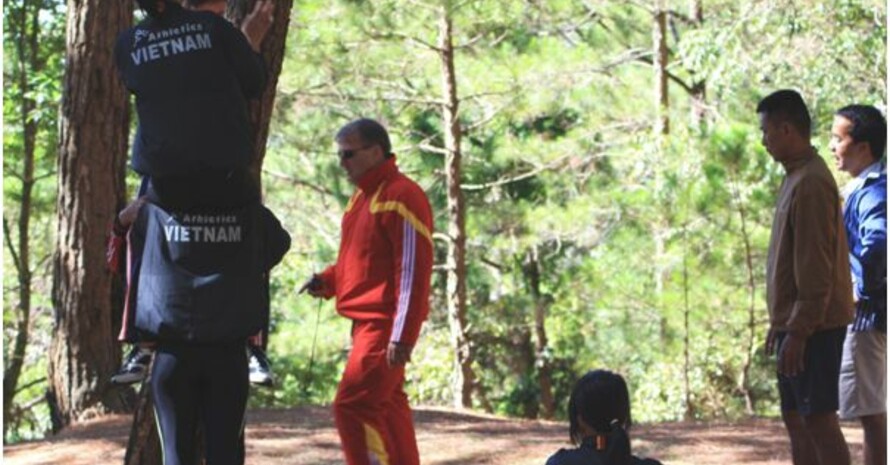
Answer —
558 155
635 233
32 89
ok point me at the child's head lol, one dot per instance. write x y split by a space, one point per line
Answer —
599 400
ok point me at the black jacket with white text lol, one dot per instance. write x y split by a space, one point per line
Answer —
192 73
204 277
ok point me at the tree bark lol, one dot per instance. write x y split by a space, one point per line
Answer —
689 411
745 381
532 270
144 446
92 155
699 86
659 35
273 47
456 286
661 129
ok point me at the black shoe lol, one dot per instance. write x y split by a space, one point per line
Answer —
135 366
259 367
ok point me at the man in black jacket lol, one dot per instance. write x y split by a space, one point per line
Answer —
192 73
202 284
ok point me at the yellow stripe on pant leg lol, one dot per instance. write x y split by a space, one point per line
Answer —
375 445
154 408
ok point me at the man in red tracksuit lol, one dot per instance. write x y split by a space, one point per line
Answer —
381 281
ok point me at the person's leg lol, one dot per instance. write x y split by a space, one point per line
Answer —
401 428
818 387
259 365
875 429
863 387
175 400
224 390
825 432
207 191
134 367
366 388
803 451
134 249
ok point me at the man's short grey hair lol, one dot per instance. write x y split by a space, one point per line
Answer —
370 132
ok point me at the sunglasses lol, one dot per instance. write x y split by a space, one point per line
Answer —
347 154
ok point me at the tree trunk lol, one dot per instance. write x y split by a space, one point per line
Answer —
27 61
143 447
456 286
744 383
699 106
699 87
659 35
532 270
661 128
260 110
92 155
689 412
524 363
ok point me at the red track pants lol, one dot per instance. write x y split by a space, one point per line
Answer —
371 409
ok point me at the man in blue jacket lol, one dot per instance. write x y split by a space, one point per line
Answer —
858 139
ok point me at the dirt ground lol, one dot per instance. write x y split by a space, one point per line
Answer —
306 436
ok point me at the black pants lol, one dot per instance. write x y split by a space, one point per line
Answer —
815 390
202 384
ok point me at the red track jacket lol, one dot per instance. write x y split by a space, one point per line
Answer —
386 253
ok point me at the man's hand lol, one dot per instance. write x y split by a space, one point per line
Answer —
770 341
314 286
398 354
791 361
127 216
257 23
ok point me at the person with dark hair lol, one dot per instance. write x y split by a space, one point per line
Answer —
788 107
217 176
381 281
808 288
192 73
599 419
203 279
858 139
205 242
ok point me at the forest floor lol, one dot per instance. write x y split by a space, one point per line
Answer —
306 436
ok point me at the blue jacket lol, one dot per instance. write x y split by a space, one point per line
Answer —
865 219
203 277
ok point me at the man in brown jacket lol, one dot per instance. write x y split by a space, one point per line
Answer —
809 292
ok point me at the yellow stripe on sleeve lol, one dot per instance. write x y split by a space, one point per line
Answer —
402 210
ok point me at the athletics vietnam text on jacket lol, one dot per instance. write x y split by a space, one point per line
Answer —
386 253
203 277
192 73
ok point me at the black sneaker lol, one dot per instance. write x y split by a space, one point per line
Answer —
135 366
259 367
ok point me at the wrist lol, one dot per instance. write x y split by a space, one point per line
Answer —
118 227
